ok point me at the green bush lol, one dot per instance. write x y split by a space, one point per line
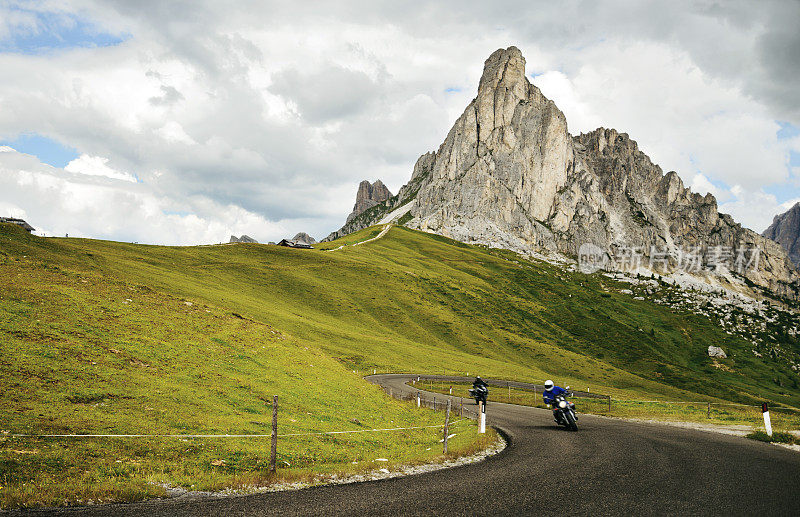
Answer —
777 436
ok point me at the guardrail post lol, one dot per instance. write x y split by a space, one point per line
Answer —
446 426
273 454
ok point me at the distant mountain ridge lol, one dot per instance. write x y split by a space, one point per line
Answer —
304 238
243 238
785 230
510 175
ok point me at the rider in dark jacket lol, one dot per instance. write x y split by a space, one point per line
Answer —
478 382
550 393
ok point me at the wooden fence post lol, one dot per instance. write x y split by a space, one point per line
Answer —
708 412
461 405
509 392
273 455
446 426
609 403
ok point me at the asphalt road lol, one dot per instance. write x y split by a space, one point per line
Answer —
609 467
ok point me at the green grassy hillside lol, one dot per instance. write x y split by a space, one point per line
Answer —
410 301
84 350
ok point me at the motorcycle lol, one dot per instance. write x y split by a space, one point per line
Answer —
565 412
480 394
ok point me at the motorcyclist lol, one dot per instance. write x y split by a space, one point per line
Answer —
550 393
477 385
478 382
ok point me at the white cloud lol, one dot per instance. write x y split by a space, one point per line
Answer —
96 166
702 185
102 207
754 210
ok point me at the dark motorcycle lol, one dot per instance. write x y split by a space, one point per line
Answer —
565 412
480 394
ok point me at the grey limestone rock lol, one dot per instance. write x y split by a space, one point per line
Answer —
785 230
510 175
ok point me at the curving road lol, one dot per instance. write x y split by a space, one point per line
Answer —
609 467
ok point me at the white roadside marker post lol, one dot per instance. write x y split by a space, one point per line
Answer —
418 402
767 421
482 409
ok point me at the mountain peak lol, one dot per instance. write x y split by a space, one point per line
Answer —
510 175
504 68
785 230
369 195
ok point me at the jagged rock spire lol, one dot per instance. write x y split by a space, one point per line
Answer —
369 195
510 175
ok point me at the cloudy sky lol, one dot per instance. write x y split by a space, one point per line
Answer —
185 122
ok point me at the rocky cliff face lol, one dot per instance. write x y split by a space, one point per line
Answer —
510 175
372 200
785 230
369 196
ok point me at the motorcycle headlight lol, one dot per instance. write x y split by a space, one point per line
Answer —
562 404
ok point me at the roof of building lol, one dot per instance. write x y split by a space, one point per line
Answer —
295 244
18 222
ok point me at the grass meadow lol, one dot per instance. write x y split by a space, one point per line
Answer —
109 337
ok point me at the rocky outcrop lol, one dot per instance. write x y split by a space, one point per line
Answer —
243 238
510 175
372 202
369 196
304 238
785 230
715 351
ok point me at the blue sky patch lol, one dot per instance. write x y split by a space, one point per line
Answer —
452 89
57 31
787 130
48 151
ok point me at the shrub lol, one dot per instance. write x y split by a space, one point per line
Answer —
777 436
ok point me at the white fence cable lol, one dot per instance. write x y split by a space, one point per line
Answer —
223 435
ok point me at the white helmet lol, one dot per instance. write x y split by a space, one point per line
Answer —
548 385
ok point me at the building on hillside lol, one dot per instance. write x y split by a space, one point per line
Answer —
19 222
295 244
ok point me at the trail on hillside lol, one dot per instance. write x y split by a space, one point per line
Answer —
383 232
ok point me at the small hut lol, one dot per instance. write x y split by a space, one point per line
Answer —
295 244
19 222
